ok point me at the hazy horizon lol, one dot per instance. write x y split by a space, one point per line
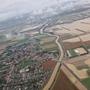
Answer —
10 8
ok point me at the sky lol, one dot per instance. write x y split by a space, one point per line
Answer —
20 6
9 8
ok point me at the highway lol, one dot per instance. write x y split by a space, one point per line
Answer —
59 62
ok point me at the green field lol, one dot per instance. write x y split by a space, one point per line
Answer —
86 82
88 46
73 53
49 46
47 43
39 36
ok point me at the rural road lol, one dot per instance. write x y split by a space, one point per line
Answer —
57 67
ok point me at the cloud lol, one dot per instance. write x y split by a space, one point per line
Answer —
13 7
32 4
9 8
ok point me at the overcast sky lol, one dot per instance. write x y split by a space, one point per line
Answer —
24 5
9 8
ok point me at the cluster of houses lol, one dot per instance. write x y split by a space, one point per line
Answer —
23 67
